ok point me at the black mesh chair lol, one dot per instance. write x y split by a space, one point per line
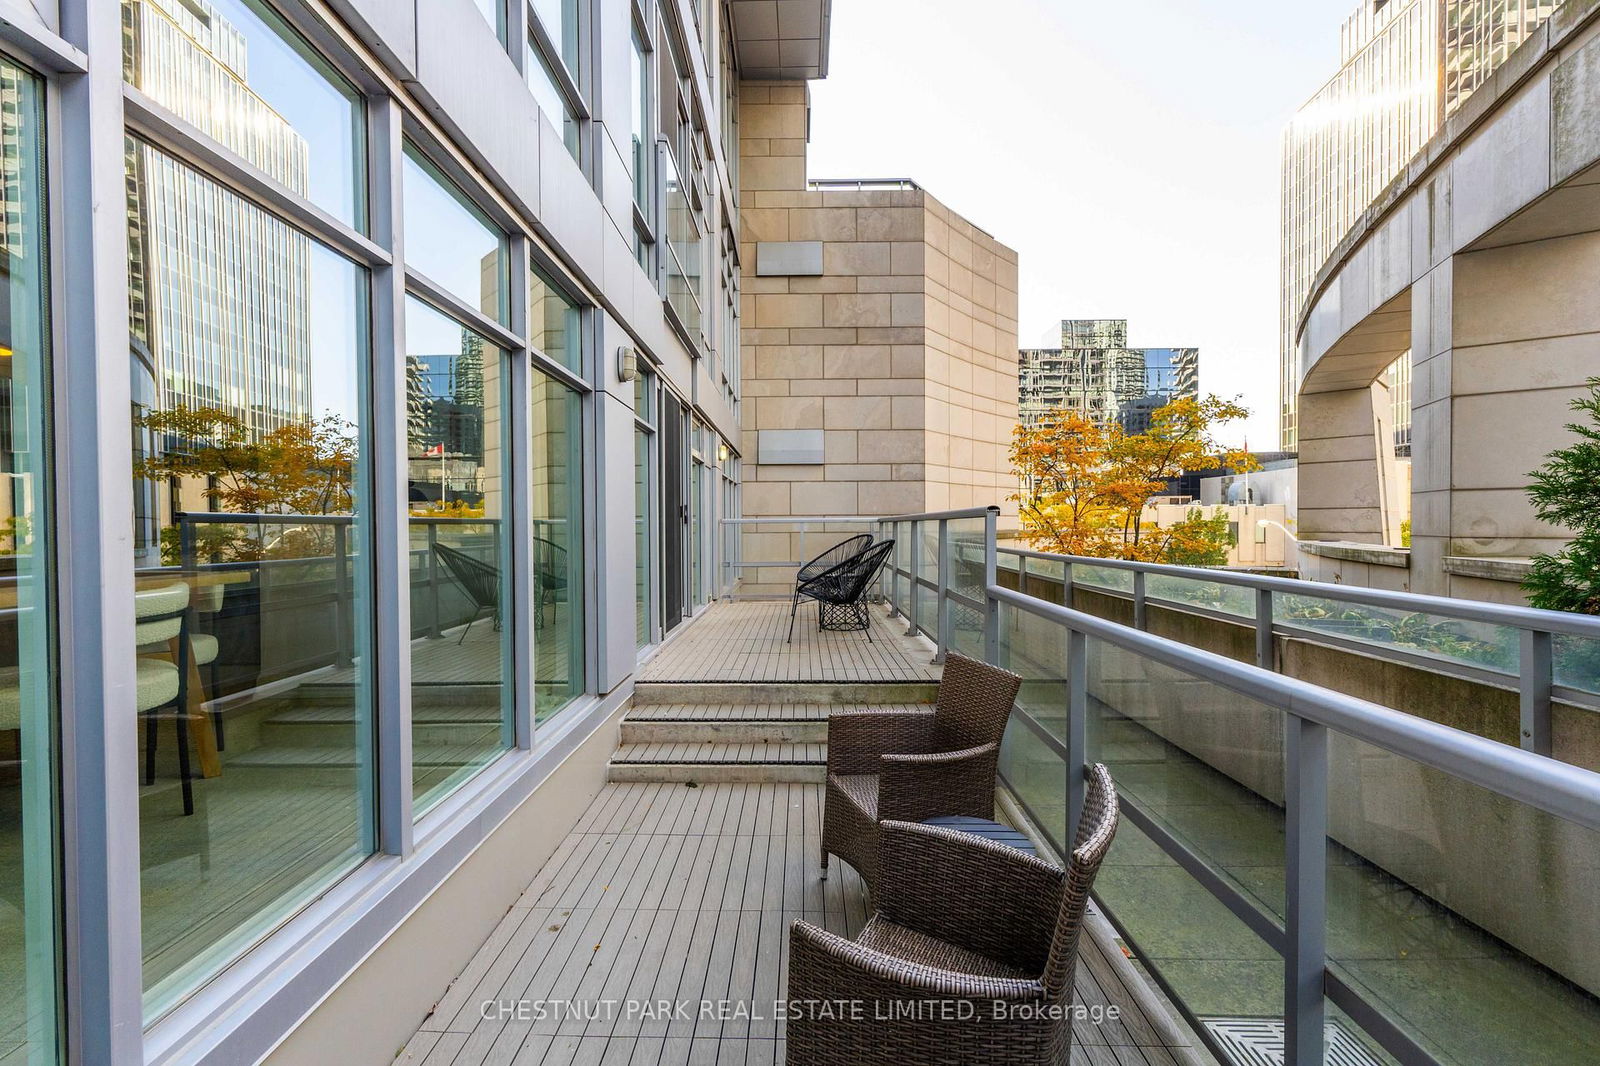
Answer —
839 590
550 577
829 559
478 579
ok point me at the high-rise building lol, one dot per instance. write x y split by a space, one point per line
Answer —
242 347
1404 67
1087 367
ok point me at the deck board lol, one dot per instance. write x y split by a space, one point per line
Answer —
746 641
663 892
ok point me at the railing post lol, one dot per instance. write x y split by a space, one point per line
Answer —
433 576
186 542
942 603
1022 574
1306 881
916 578
991 613
1265 657
341 577
1066 584
1138 600
1535 678
1077 728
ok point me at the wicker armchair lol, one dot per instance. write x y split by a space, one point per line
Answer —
981 938
911 765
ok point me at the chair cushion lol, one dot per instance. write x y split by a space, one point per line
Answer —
861 790
205 647
924 950
157 684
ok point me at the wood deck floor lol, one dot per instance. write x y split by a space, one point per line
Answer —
746 641
668 893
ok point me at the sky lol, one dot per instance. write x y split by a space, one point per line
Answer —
1128 151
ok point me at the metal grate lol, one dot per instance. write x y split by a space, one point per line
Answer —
1259 1042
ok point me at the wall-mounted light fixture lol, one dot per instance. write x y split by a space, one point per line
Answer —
722 453
627 363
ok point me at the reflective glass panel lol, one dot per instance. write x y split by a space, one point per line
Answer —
553 321
494 15
451 242
556 477
455 450
252 602
560 21
28 932
552 101
639 73
641 536
236 71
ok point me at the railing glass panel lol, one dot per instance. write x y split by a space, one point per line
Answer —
1036 649
1478 644
1466 917
1208 595
1104 577
1577 663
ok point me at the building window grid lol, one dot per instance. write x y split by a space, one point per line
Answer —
555 70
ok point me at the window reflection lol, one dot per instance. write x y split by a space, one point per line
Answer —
455 449
235 70
556 477
251 602
553 321
28 977
551 100
449 241
560 21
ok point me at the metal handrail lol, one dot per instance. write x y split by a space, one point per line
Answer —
1309 712
1503 614
1555 787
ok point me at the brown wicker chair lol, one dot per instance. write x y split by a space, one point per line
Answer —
969 956
912 765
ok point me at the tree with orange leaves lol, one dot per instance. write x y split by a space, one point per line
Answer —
1085 486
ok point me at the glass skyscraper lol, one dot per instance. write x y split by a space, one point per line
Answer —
1091 371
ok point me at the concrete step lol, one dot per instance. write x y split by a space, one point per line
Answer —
332 727
720 763
765 692
744 723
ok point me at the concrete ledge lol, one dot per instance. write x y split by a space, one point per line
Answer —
1373 554
1491 568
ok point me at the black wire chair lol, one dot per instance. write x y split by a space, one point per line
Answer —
550 577
478 579
839 590
829 559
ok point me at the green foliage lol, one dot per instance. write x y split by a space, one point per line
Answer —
1200 540
1564 492
1405 533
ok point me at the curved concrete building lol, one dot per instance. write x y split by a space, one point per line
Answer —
1483 259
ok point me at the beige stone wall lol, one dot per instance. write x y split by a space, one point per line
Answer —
903 352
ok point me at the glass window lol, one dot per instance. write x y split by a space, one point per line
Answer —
28 933
248 358
639 70
554 321
236 71
452 243
560 21
455 450
556 479
552 100
494 15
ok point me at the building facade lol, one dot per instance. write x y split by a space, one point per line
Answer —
424 352
1090 370
1405 66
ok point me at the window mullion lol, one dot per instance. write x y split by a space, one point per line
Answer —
519 510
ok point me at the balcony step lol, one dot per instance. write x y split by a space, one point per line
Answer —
327 726
733 693
740 723
431 755
720 763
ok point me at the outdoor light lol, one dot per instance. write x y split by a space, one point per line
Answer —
627 363
722 453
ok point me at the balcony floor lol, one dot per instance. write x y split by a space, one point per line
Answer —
746 641
667 892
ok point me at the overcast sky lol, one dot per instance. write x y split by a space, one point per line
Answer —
1128 150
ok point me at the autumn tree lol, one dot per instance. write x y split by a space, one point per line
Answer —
304 468
1086 486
